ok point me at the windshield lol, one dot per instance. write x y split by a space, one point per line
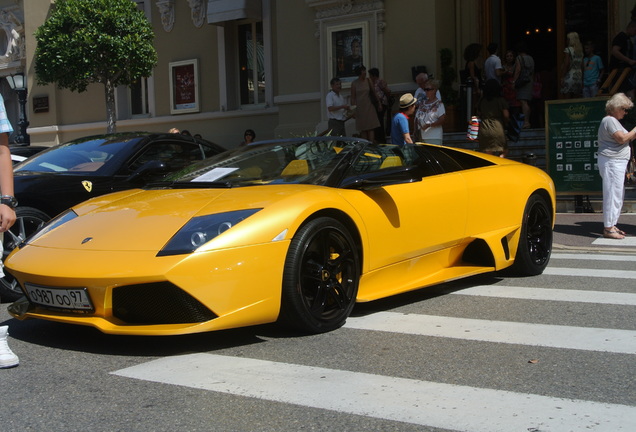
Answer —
305 161
87 155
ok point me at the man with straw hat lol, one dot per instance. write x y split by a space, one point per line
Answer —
400 125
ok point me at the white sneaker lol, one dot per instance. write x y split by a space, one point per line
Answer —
7 357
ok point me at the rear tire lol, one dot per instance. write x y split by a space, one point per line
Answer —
28 221
535 241
320 279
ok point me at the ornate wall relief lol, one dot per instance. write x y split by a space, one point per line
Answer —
166 9
199 11
346 9
12 47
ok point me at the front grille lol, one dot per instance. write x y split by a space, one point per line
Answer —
158 303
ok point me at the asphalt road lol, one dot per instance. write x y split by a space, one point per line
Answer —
491 353
583 232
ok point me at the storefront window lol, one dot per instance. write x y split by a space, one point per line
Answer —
251 63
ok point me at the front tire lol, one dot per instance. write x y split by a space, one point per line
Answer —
321 275
535 241
28 221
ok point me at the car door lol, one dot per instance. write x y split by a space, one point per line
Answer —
410 220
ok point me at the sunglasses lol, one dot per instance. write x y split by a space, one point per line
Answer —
428 89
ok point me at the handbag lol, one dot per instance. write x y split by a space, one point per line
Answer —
473 128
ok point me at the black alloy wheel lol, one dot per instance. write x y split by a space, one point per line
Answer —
321 275
535 242
28 221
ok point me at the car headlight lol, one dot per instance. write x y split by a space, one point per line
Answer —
202 229
51 225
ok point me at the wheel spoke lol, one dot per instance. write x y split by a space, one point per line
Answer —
319 303
339 295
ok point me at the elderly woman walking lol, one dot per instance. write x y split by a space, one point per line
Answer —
613 155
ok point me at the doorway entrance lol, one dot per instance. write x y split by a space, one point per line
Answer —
542 26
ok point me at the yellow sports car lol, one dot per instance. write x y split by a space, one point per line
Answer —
295 231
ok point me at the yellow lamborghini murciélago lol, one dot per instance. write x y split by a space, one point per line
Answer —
294 231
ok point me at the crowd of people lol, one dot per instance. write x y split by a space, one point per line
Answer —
502 91
514 80
371 102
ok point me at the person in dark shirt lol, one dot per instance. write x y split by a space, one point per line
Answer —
622 56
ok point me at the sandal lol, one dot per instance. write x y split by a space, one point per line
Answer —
620 231
612 234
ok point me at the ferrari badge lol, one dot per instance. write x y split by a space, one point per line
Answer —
87 185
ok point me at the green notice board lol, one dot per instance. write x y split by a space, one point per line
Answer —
572 144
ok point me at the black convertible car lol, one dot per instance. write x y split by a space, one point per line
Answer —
67 174
20 153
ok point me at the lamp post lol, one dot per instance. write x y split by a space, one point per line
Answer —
16 82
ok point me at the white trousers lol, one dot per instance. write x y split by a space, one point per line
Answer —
613 174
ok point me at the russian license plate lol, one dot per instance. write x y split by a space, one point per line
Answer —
61 298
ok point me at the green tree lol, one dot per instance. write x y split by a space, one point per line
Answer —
97 41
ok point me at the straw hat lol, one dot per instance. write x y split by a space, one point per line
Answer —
407 100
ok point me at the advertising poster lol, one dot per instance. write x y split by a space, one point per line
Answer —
348 48
572 144
184 87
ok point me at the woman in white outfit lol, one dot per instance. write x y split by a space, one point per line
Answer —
613 155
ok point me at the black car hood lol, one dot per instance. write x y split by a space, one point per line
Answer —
62 190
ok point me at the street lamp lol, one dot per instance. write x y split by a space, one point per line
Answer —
16 82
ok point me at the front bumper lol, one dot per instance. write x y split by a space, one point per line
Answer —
238 286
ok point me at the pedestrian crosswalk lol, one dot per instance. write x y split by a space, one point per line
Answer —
438 404
424 403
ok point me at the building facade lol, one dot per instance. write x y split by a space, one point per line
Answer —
230 65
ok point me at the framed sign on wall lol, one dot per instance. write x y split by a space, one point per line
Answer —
348 48
572 144
184 87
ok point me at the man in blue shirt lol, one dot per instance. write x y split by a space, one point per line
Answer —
400 133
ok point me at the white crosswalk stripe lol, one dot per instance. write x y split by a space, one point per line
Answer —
595 257
596 273
428 403
591 339
626 242
390 398
550 294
